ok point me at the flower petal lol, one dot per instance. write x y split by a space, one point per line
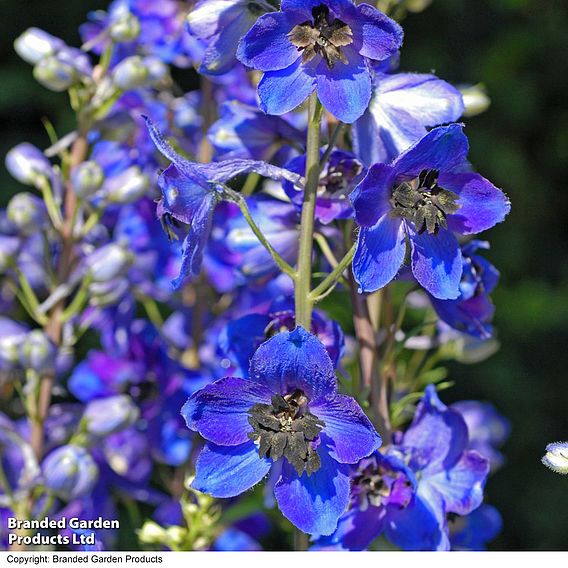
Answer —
380 253
196 240
437 263
241 336
370 198
228 471
381 36
482 205
266 46
294 360
443 149
183 196
429 100
461 487
356 530
437 432
282 91
417 527
315 503
351 434
219 412
345 89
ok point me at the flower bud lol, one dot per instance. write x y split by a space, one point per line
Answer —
55 74
27 212
475 100
105 416
157 69
108 262
35 44
70 472
128 187
11 336
87 178
556 457
152 533
131 73
37 352
27 164
126 27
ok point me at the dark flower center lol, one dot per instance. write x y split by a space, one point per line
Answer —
376 485
324 35
424 202
336 179
287 428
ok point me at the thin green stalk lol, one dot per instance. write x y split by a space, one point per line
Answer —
303 298
331 144
52 209
332 278
326 249
250 184
301 541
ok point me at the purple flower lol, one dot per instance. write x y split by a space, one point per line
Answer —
287 414
338 177
321 45
472 312
425 196
401 108
191 191
407 492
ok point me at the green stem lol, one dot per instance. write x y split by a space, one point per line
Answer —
52 208
303 299
333 277
250 184
301 541
241 202
331 145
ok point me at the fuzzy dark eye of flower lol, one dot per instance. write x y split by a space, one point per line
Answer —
376 485
338 177
323 36
287 428
424 202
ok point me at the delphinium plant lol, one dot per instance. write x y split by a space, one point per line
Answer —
226 311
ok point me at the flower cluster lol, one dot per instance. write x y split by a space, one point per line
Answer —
254 281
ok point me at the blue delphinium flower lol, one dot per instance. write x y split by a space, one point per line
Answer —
191 191
407 492
426 196
402 106
472 312
322 45
221 24
287 414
